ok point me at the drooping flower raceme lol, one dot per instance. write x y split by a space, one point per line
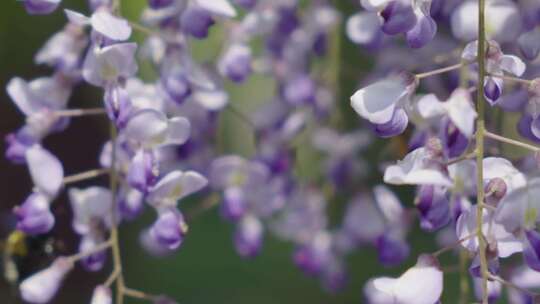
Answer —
167 143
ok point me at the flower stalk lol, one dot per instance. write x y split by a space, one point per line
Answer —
117 258
75 178
480 133
441 70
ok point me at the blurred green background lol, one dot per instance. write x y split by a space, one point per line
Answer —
206 269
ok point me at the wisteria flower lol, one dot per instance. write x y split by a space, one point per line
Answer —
45 169
174 186
504 21
34 215
41 287
381 103
91 208
458 108
38 100
497 64
416 169
151 128
107 65
103 22
421 284
496 235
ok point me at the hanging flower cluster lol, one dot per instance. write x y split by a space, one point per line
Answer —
449 83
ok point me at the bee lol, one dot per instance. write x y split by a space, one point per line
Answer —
18 248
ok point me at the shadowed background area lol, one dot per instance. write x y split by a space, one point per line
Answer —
206 269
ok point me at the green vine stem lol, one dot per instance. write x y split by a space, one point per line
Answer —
480 129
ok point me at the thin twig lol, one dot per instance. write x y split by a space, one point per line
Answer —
111 278
512 285
440 71
81 255
454 245
461 158
514 142
137 294
84 176
511 78
80 112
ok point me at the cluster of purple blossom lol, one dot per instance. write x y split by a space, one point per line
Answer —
162 145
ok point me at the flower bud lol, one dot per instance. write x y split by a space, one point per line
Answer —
236 63
248 236
34 215
95 261
142 171
42 286
196 21
130 203
495 190
102 295
177 86
169 229
17 144
299 91
234 204
118 105
40 7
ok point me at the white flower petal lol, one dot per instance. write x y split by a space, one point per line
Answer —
110 26
77 18
429 106
19 92
41 287
374 5
513 64
419 285
148 127
218 7
212 100
502 168
461 111
179 130
376 295
520 208
412 171
377 101
504 22
389 204
46 170
363 27
90 206
175 186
